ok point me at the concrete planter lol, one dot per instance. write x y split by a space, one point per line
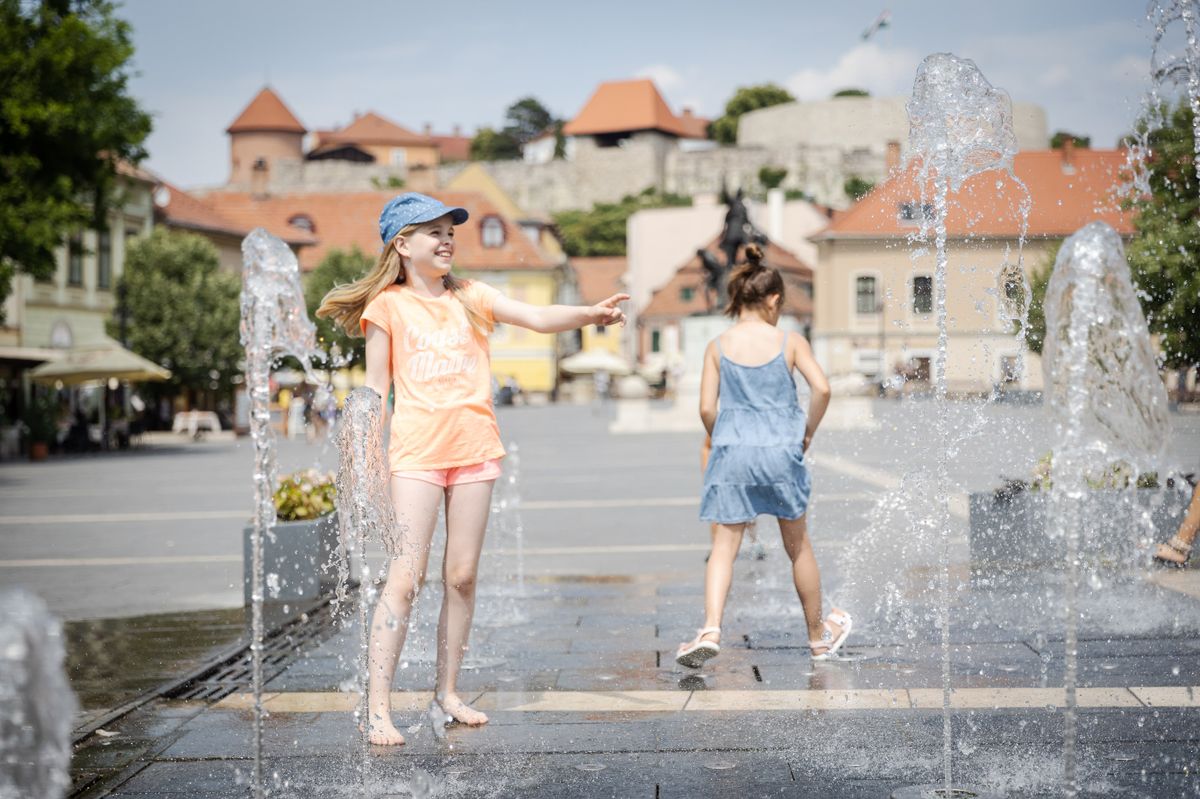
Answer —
299 555
1010 532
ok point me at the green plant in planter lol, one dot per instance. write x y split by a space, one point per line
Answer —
40 420
304 495
1115 476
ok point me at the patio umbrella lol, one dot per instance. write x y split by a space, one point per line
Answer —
591 361
100 361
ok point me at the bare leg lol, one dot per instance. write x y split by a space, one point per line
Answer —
467 507
416 504
805 573
718 574
1185 536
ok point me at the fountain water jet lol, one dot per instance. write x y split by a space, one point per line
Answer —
1107 399
364 508
274 323
37 706
959 126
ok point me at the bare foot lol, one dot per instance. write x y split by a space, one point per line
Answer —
1173 553
461 712
383 732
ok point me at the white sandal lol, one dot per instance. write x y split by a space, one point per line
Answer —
694 654
828 641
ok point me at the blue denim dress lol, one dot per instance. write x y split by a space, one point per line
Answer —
757 460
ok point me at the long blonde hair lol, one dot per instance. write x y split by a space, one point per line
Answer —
344 304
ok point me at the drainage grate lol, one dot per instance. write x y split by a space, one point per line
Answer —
279 651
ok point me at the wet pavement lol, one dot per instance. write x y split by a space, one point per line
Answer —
575 667
585 700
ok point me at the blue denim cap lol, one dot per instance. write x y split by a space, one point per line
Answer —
413 208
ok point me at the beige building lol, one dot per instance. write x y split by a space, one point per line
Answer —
825 142
874 317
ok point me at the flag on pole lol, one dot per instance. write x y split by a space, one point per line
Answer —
881 22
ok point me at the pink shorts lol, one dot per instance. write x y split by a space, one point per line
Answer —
475 473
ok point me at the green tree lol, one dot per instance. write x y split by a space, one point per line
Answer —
526 119
336 268
182 312
771 176
493 145
1060 136
66 120
1039 279
746 98
852 93
856 188
1165 253
601 231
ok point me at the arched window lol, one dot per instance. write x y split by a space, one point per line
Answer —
303 222
491 231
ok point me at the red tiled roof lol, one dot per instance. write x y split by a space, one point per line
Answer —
453 148
667 302
599 278
266 112
694 127
1065 197
349 219
627 105
371 128
187 211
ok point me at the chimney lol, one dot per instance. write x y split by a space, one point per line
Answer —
428 129
687 112
457 130
892 161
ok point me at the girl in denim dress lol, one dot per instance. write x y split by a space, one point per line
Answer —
760 436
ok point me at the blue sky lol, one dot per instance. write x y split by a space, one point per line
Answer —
464 63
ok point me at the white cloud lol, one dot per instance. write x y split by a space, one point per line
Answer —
865 66
665 77
1056 75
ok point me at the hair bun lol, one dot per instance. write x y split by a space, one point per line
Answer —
754 254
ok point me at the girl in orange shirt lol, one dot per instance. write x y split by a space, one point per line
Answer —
426 334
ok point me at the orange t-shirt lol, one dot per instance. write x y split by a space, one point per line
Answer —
442 416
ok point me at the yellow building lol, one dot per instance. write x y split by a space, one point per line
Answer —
598 279
531 359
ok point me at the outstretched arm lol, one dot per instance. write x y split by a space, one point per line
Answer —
802 357
557 318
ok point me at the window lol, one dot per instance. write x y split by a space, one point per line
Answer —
1010 368
864 289
103 259
491 232
260 165
601 330
656 340
686 293
922 294
303 222
75 260
915 213
399 156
